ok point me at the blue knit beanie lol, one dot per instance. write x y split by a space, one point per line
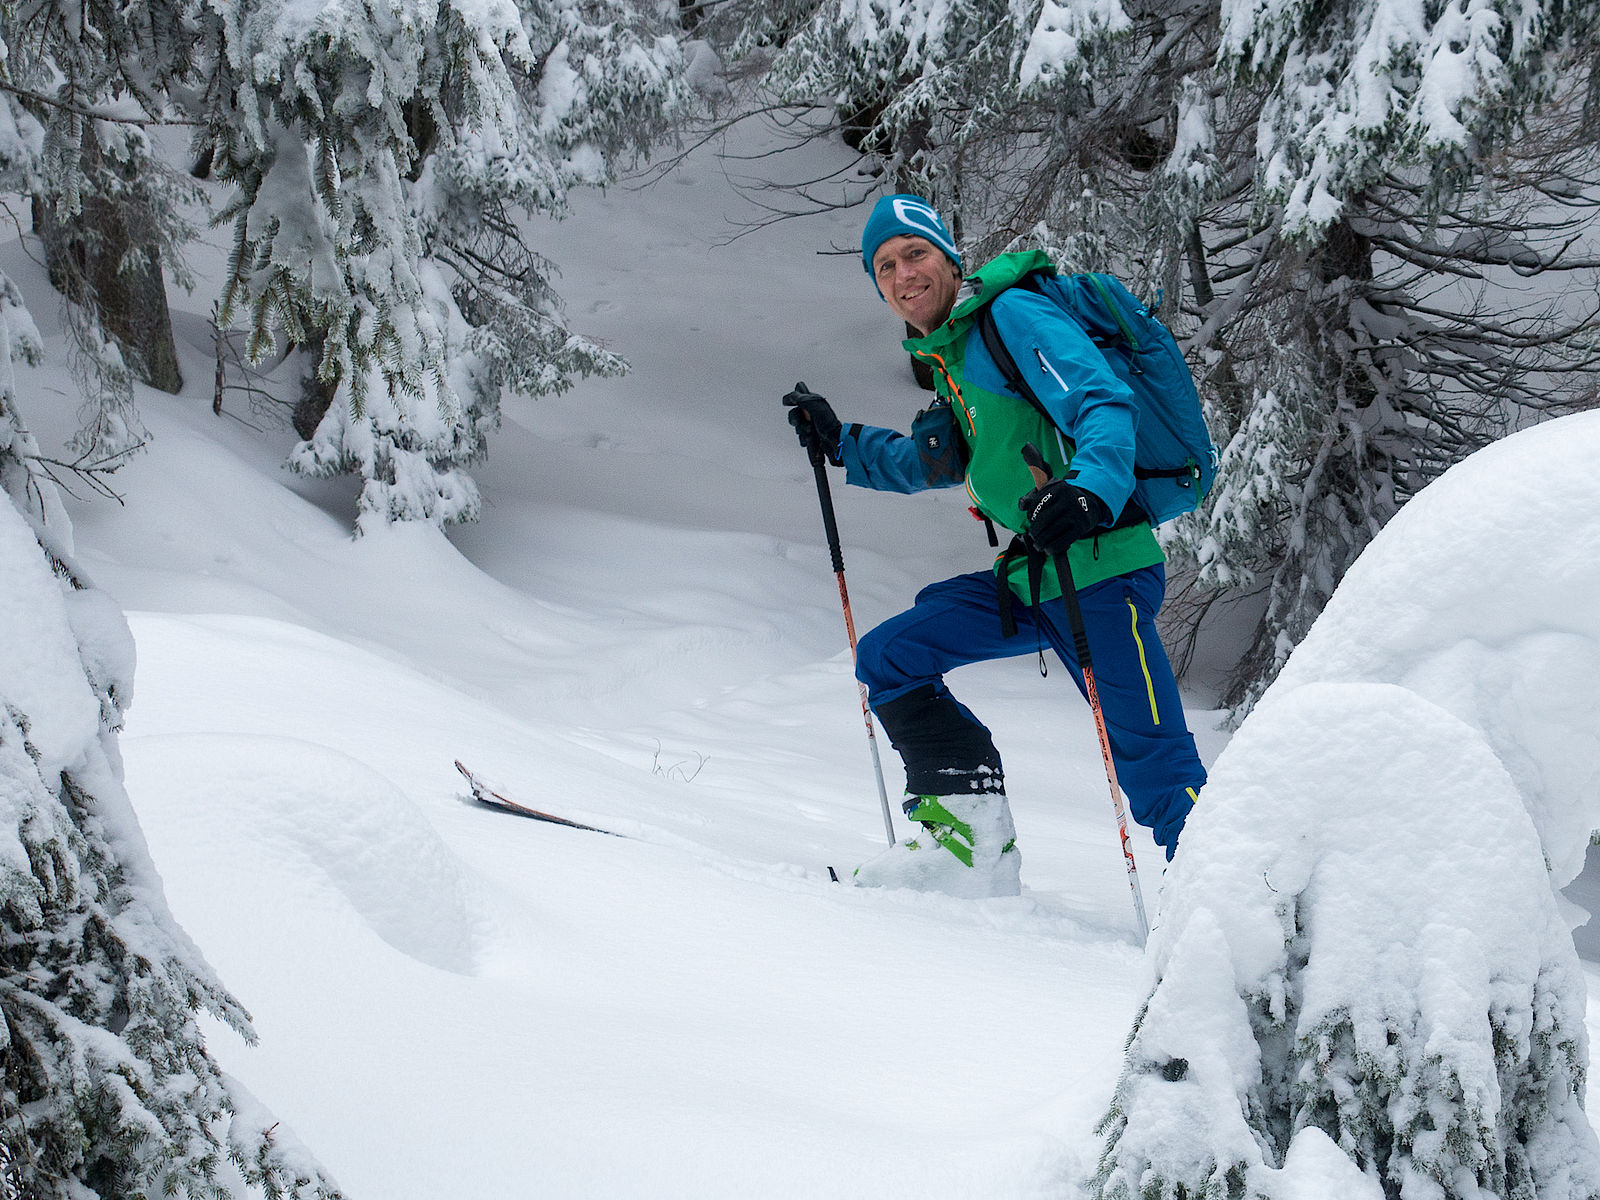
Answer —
904 214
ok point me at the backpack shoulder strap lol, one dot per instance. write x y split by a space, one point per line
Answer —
996 346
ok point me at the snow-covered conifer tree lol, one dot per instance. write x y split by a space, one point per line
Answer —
1365 987
107 1088
1421 280
382 156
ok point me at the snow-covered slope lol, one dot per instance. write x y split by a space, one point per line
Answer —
643 633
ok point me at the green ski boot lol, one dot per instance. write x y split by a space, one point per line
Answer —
966 847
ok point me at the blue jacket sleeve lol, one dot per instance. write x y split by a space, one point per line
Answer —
1076 385
883 460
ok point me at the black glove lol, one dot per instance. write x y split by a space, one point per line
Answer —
1059 513
813 419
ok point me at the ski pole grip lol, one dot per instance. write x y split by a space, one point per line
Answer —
815 453
1036 464
830 523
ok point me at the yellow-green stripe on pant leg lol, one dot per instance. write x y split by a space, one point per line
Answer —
1144 665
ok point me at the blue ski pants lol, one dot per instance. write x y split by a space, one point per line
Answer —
957 621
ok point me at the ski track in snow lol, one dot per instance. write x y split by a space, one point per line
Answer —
707 938
305 805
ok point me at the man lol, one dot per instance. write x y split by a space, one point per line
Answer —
974 434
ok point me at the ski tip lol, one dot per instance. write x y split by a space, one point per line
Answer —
833 875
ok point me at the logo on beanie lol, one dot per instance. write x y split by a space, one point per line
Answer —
919 215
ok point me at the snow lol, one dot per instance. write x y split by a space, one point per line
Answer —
1366 881
333 819
63 713
1353 85
644 633
1061 35
1478 598
1316 1169
298 228
1193 155
704 71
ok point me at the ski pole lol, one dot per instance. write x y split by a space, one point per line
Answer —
831 527
1080 640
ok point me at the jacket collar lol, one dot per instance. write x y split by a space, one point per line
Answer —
978 289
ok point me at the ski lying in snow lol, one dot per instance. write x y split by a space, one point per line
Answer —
489 798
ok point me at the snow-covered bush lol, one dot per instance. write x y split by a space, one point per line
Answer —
1360 944
107 1088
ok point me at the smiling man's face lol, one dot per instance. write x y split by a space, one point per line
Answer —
917 280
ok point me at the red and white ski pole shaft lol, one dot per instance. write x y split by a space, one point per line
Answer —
830 526
1080 640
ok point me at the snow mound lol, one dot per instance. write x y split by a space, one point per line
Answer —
1360 934
1359 938
1480 596
307 805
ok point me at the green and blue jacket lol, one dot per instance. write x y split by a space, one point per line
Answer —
1087 437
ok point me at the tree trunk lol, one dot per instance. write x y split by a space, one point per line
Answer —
315 395
88 259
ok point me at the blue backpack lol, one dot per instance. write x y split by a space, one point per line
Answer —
1174 458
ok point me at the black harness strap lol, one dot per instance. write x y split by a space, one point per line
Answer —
996 346
1021 547
1131 514
1003 594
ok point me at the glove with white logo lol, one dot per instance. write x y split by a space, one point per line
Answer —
1059 513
